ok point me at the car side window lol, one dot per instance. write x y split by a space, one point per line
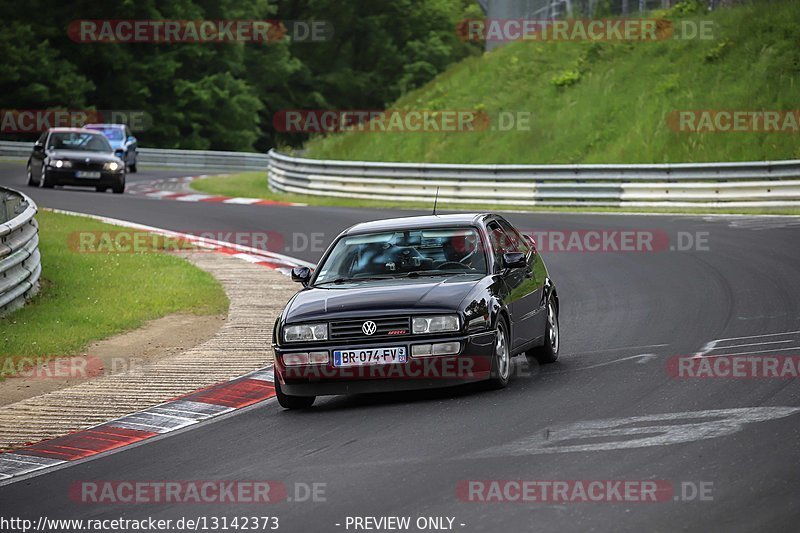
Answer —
517 242
497 240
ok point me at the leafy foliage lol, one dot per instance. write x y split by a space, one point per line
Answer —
223 95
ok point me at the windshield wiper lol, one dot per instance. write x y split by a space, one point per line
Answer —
345 280
419 273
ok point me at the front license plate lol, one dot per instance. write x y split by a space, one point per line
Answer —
370 356
86 174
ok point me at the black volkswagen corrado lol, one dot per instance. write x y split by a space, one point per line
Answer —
413 303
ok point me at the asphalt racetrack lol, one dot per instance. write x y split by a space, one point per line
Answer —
611 408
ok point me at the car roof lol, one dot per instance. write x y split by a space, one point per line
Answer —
67 130
426 221
101 125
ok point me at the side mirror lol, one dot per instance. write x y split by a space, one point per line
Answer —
38 147
301 275
119 152
131 139
514 260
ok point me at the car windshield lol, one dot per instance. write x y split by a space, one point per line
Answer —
112 134
83 141
408 253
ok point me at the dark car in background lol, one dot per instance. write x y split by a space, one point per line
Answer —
75 156
413 303
123 142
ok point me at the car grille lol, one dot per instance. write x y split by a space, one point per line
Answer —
385 327
81 164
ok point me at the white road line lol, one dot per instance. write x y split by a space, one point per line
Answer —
620 349
756 344
642 358
194 197
159 194
748 353
759 336
243 201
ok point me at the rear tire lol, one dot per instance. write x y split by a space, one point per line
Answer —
501 358
291 402
548 352
132 168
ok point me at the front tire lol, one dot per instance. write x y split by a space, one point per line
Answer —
45 183
29 171
119 188
548 352
501 359
291 402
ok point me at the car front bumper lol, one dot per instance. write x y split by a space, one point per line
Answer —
473 363
60 176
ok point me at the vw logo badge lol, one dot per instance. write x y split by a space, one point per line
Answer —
369 327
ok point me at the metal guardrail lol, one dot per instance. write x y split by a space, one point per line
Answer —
196 159
735 185
20 262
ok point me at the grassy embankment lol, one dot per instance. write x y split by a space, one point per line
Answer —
604 102
91 296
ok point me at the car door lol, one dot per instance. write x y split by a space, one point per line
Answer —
37 155
528 287
131 144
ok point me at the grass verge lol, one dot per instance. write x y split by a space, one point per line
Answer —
254 185
86 297
607 102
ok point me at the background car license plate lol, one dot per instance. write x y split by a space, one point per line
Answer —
86 174
370 356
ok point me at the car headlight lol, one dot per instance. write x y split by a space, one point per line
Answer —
435 324
305 332
60 163
111 165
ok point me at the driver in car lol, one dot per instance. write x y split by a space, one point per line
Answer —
461 249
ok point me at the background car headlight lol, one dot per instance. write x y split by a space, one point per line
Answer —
305 332
112 166
435 324
60 163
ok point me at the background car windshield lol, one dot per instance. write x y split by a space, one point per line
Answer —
114 134
88 142
443 251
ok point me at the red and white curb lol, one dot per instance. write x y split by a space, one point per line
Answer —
175 189
173 415
167 417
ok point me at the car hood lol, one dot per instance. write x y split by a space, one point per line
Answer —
379 297
78 155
